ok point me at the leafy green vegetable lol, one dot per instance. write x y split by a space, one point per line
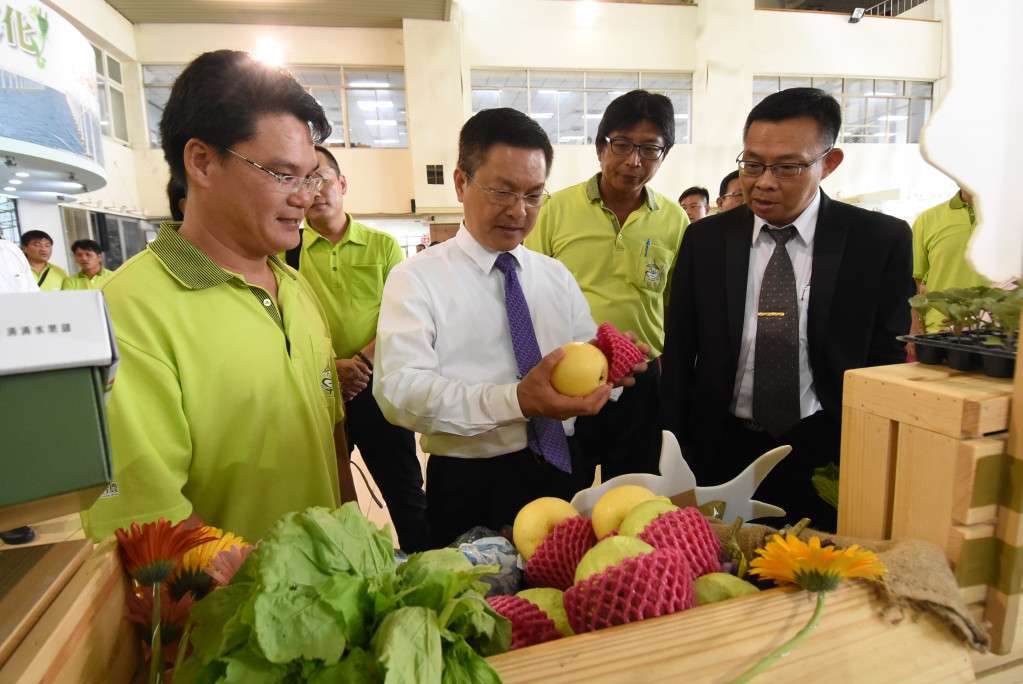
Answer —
825 481
462 665
408 646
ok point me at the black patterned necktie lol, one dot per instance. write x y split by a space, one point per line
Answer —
546 436
776 359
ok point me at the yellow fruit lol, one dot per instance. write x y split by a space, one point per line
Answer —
552 602
609 553
614 505
535 521
644 513
719 586
582 370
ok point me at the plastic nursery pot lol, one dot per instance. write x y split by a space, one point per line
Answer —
998 366
929 353
961 359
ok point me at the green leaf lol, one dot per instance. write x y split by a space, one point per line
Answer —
462 665
350 597
358 665
433 577
247 666
219 626
292 623
471 618
407 645
825 481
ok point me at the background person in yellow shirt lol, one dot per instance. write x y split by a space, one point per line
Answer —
38 248
89 257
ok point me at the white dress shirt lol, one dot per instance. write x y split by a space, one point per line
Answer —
800 249
445 363
15 273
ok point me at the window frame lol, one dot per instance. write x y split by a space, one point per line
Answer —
105 85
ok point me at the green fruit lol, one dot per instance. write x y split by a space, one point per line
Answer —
642 514
552 602
608 553
720 586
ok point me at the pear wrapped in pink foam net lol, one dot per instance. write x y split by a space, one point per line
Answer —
688 531
621 352
646 586
554 561
530 625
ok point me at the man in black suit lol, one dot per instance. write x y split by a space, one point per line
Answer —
845 288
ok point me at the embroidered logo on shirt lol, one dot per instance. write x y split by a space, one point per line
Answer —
326 383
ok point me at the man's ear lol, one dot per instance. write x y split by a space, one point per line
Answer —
199 157
460 180
832 161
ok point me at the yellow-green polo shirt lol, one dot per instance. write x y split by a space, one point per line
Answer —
941 235
54 280
349 280
222 401
624 270
80 281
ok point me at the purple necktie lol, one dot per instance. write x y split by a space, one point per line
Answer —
546 435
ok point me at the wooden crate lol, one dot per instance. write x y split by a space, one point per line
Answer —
925 454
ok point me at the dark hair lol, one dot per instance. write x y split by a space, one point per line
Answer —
220 95
725 181
31 235
175 193
797 102
86 244
634 107
503 125
696 190
330 158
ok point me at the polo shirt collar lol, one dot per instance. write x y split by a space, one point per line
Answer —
593 193
957 201
479 254
805 223
355 233
190 266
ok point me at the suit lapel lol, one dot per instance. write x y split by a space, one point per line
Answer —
828 244
738 239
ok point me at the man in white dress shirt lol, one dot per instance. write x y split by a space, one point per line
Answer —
446 364
15 273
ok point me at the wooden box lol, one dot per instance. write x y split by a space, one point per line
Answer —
924 455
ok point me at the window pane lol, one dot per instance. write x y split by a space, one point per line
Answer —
859 86
499 77
898 120
683 115
877 120
919 112
613 80
828 85
556 79
655 81
330 100
374 77
114 70
790 82
104 109
160 74
887 87
765 84
596 104
156 100
117 119
317 76
99 60
571 127
919 89
854 116
380 125
485 99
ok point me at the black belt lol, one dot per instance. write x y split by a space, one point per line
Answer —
748 423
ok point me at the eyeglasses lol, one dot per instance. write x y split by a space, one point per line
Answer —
786 170
507 198
287 183
738 194
623 148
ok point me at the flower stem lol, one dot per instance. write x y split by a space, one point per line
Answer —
156 664
183 645
785 648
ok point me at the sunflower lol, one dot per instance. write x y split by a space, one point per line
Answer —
813 567
150 552
191 575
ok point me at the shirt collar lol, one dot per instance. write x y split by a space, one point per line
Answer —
805 223
593 193
479 254
354 233
957 201
194 269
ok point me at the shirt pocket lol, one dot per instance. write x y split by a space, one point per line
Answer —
364 282
650 269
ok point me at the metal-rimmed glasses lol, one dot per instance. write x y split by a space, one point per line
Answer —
734 194
284 182
507 198
785 170
623 148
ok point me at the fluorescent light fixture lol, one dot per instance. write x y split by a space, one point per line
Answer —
21 174
681 116
381 122
15 181
369 105
546 92
570 138
10 189
334 141
897 117
369 84
594 116
542 115
856 15
387 141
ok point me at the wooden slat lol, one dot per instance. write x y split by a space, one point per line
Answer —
971 455
1003 613
924 482
866 487
716 643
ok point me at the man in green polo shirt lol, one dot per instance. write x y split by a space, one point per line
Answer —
347 263
620 240
89 257
38 248
224 407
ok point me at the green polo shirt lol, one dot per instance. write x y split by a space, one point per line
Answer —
223 402
940 237
52 278
624 270
349 280
80 281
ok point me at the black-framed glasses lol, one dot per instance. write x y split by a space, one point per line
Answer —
507 198
786 170
623 148
284 182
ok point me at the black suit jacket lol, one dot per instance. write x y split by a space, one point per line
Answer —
861 280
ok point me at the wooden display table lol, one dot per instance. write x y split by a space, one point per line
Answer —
716 643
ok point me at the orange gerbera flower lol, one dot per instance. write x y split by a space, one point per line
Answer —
813 567
150 553
191 575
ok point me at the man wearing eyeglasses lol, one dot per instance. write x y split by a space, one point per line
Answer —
224 407
461 326
620 240
730 193
774 301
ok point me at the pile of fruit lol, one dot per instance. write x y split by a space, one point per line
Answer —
639 556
